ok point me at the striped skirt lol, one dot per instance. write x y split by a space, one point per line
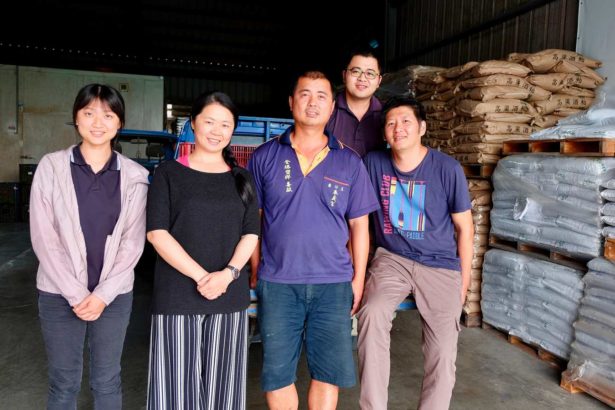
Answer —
198 362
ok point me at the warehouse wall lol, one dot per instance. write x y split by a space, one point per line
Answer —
252 98
596 31
36 107
439 32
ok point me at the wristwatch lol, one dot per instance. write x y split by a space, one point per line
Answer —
234 271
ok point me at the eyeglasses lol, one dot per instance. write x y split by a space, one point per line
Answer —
369 74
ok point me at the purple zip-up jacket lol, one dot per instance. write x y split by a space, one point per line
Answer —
57 238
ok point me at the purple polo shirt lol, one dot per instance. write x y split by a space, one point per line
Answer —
362 136
305 226
99 202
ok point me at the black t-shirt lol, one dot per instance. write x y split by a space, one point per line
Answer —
204 213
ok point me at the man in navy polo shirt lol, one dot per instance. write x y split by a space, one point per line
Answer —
315 195
356 119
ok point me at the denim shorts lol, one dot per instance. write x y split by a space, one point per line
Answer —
318 316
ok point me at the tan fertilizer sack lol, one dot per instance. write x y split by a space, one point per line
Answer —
444 96
480 218
503 116
435 106
480 198
497 91
441 115
565 112
437 125
482 229
499 67
559 101
546 121
493 127
440 134
572 67
485 148
474 286
457 71
535 92
471 307
577 91
425 88
425 97
495 79
478 184
477 265
487 138
556 81
544 60
517 57
476 158
471 108
445 86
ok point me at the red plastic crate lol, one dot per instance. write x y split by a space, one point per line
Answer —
242 152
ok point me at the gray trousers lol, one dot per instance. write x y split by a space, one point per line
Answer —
437 292
65 334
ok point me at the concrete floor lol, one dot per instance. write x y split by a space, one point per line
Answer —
491 374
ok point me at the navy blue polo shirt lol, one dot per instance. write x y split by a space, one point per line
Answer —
305 226
99 202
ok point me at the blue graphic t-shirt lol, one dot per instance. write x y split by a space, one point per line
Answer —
414 219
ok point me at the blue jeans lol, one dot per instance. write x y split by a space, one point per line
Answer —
318 316
64 335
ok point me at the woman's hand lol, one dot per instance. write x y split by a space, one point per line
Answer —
214 285
90 308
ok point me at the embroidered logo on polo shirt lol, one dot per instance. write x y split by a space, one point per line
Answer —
289 187
336 188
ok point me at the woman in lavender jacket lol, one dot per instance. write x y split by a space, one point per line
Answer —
87 225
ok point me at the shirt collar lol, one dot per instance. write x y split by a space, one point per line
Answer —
77 158
333 142
374 103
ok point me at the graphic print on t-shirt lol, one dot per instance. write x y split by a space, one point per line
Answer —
407 207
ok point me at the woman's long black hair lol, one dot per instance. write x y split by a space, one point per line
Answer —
244 188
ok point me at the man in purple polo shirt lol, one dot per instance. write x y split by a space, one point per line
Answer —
356 119
314 195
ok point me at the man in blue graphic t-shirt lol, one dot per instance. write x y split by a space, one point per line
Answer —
423 234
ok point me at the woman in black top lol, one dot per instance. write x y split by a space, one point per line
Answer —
202 218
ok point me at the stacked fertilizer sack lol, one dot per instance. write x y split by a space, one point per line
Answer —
593 351
569 76
532 299
480 193
608 209
492 98
551 201
434 91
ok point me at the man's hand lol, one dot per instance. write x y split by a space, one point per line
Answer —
357 291
90 308
214 285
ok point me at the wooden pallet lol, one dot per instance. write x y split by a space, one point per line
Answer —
583 147
551 359
609 249
471 319
478 170
538 252
571 385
